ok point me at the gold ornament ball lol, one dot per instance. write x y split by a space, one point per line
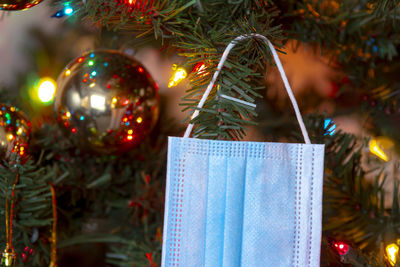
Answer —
15 132
18 4
107 101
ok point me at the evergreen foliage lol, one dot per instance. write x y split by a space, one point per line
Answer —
118 200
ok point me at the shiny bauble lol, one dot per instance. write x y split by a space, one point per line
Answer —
9 257
18 4
15 132
107 101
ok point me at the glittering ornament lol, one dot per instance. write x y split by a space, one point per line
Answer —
107 100
14 132
9 257
18 4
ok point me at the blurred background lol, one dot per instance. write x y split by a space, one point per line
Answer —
34 45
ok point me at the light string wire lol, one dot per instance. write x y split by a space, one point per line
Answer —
53 259
9 251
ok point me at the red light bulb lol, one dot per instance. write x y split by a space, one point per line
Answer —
200 69
341 248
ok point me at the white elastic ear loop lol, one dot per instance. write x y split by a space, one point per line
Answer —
281 71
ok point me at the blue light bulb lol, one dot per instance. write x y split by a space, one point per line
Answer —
332 127
68 11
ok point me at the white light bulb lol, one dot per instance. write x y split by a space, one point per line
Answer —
98 102
46 91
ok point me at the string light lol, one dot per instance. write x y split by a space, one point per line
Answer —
21 151
375 149
178 75
329 127
392 251
66 11
125 102
200 69
10 136
341 247
46 90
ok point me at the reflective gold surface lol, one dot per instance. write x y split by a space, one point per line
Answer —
18 4
15 132
8 257
107 100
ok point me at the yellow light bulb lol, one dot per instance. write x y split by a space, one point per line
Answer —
376 150
19 132
178 75
47 89
139 120
10 136
392 251
67 72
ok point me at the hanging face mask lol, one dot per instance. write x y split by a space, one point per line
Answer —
243 203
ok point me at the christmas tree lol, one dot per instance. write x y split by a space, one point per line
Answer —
81 185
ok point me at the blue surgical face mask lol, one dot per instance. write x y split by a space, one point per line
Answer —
250 204
242 204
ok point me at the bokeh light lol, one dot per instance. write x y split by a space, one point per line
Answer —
178 75
46 90
392 251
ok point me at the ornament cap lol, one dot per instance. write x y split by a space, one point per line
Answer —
9 257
